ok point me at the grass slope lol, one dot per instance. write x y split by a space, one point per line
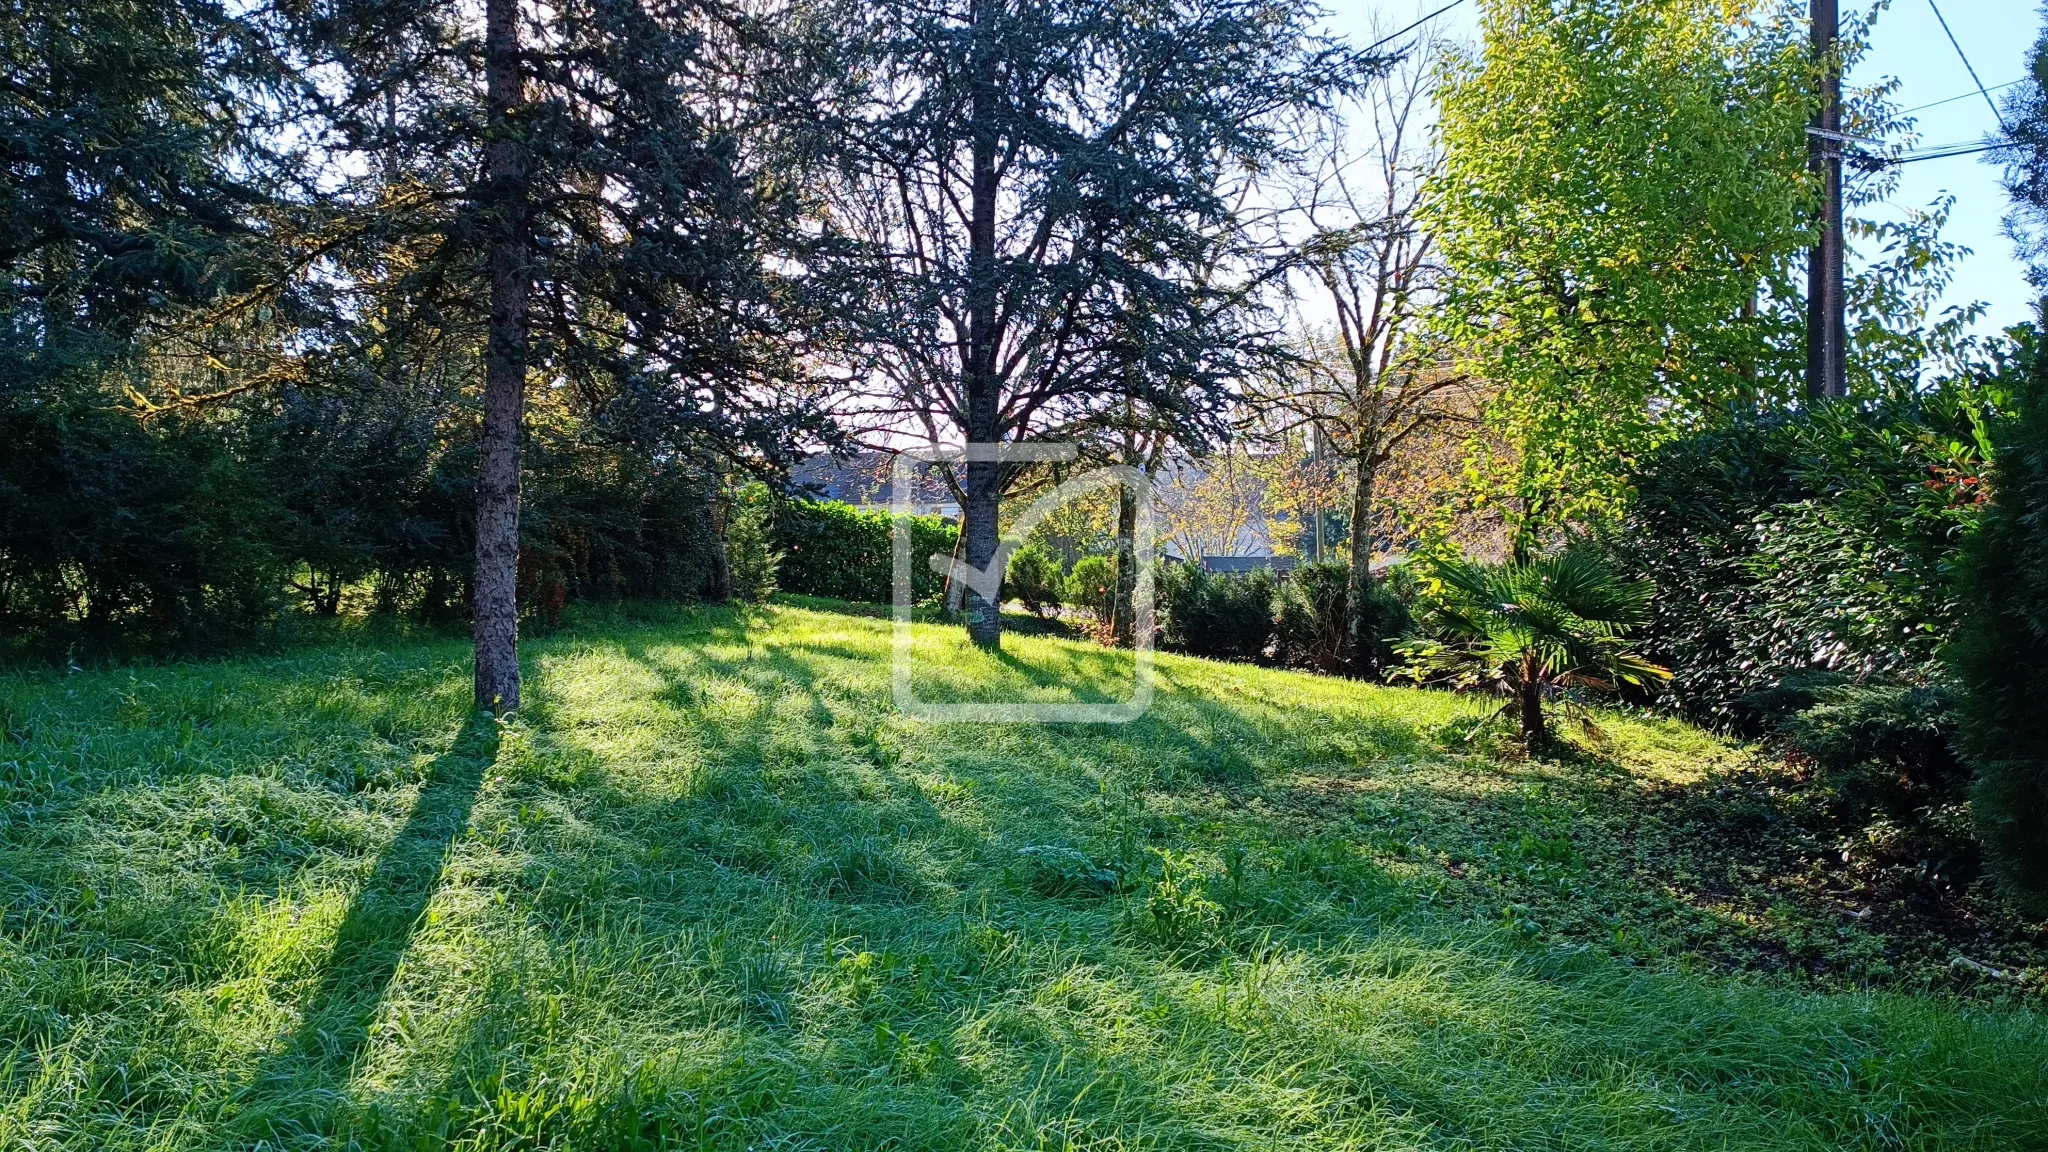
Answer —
711 891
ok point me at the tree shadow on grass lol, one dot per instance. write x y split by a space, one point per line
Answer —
971 1012
382 919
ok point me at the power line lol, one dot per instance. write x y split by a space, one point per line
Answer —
1945 152
1995 115
1871 162
1411 27
1964 96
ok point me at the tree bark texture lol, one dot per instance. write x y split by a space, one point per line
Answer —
981 530
1123 618
495 603
1361 642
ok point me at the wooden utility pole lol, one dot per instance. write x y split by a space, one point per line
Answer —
1826 330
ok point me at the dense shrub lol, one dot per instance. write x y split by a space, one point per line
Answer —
368 489
1309 617
1882 749
2001 654
381 487
119 533
1226 616
116 531
600 523
1784 543
1035 578
834 549
1806 570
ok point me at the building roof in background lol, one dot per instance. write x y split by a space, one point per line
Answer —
1281 565
866 479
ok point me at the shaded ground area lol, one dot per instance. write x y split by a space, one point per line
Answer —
710 890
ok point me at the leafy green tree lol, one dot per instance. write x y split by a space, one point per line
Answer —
1040 206
1531 630
1623 182
2001 656
1625 211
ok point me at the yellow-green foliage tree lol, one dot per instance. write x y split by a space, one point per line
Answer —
1623 184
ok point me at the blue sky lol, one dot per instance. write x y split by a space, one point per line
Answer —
1907 43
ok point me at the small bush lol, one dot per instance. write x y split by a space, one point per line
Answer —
1227 617
1092 585
1309 618
1882 749
1035 578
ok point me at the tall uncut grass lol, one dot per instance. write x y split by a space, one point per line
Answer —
710 891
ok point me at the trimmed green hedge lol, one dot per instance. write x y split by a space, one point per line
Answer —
834 549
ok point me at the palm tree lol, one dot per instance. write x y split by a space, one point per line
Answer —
1533 629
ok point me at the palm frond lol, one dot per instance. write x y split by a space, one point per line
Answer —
1566 616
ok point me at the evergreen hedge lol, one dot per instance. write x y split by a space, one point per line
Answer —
834 549
2000 657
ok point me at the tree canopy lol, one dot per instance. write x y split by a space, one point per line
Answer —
1043 209
1624 192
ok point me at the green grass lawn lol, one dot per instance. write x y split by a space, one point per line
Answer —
710 890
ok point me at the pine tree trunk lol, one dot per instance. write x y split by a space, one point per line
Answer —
1123 617
980 540
1361 640
496 600
982 498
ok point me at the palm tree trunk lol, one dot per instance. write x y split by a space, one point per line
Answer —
1529 696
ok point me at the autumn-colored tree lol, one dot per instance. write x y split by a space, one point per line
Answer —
1376 376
